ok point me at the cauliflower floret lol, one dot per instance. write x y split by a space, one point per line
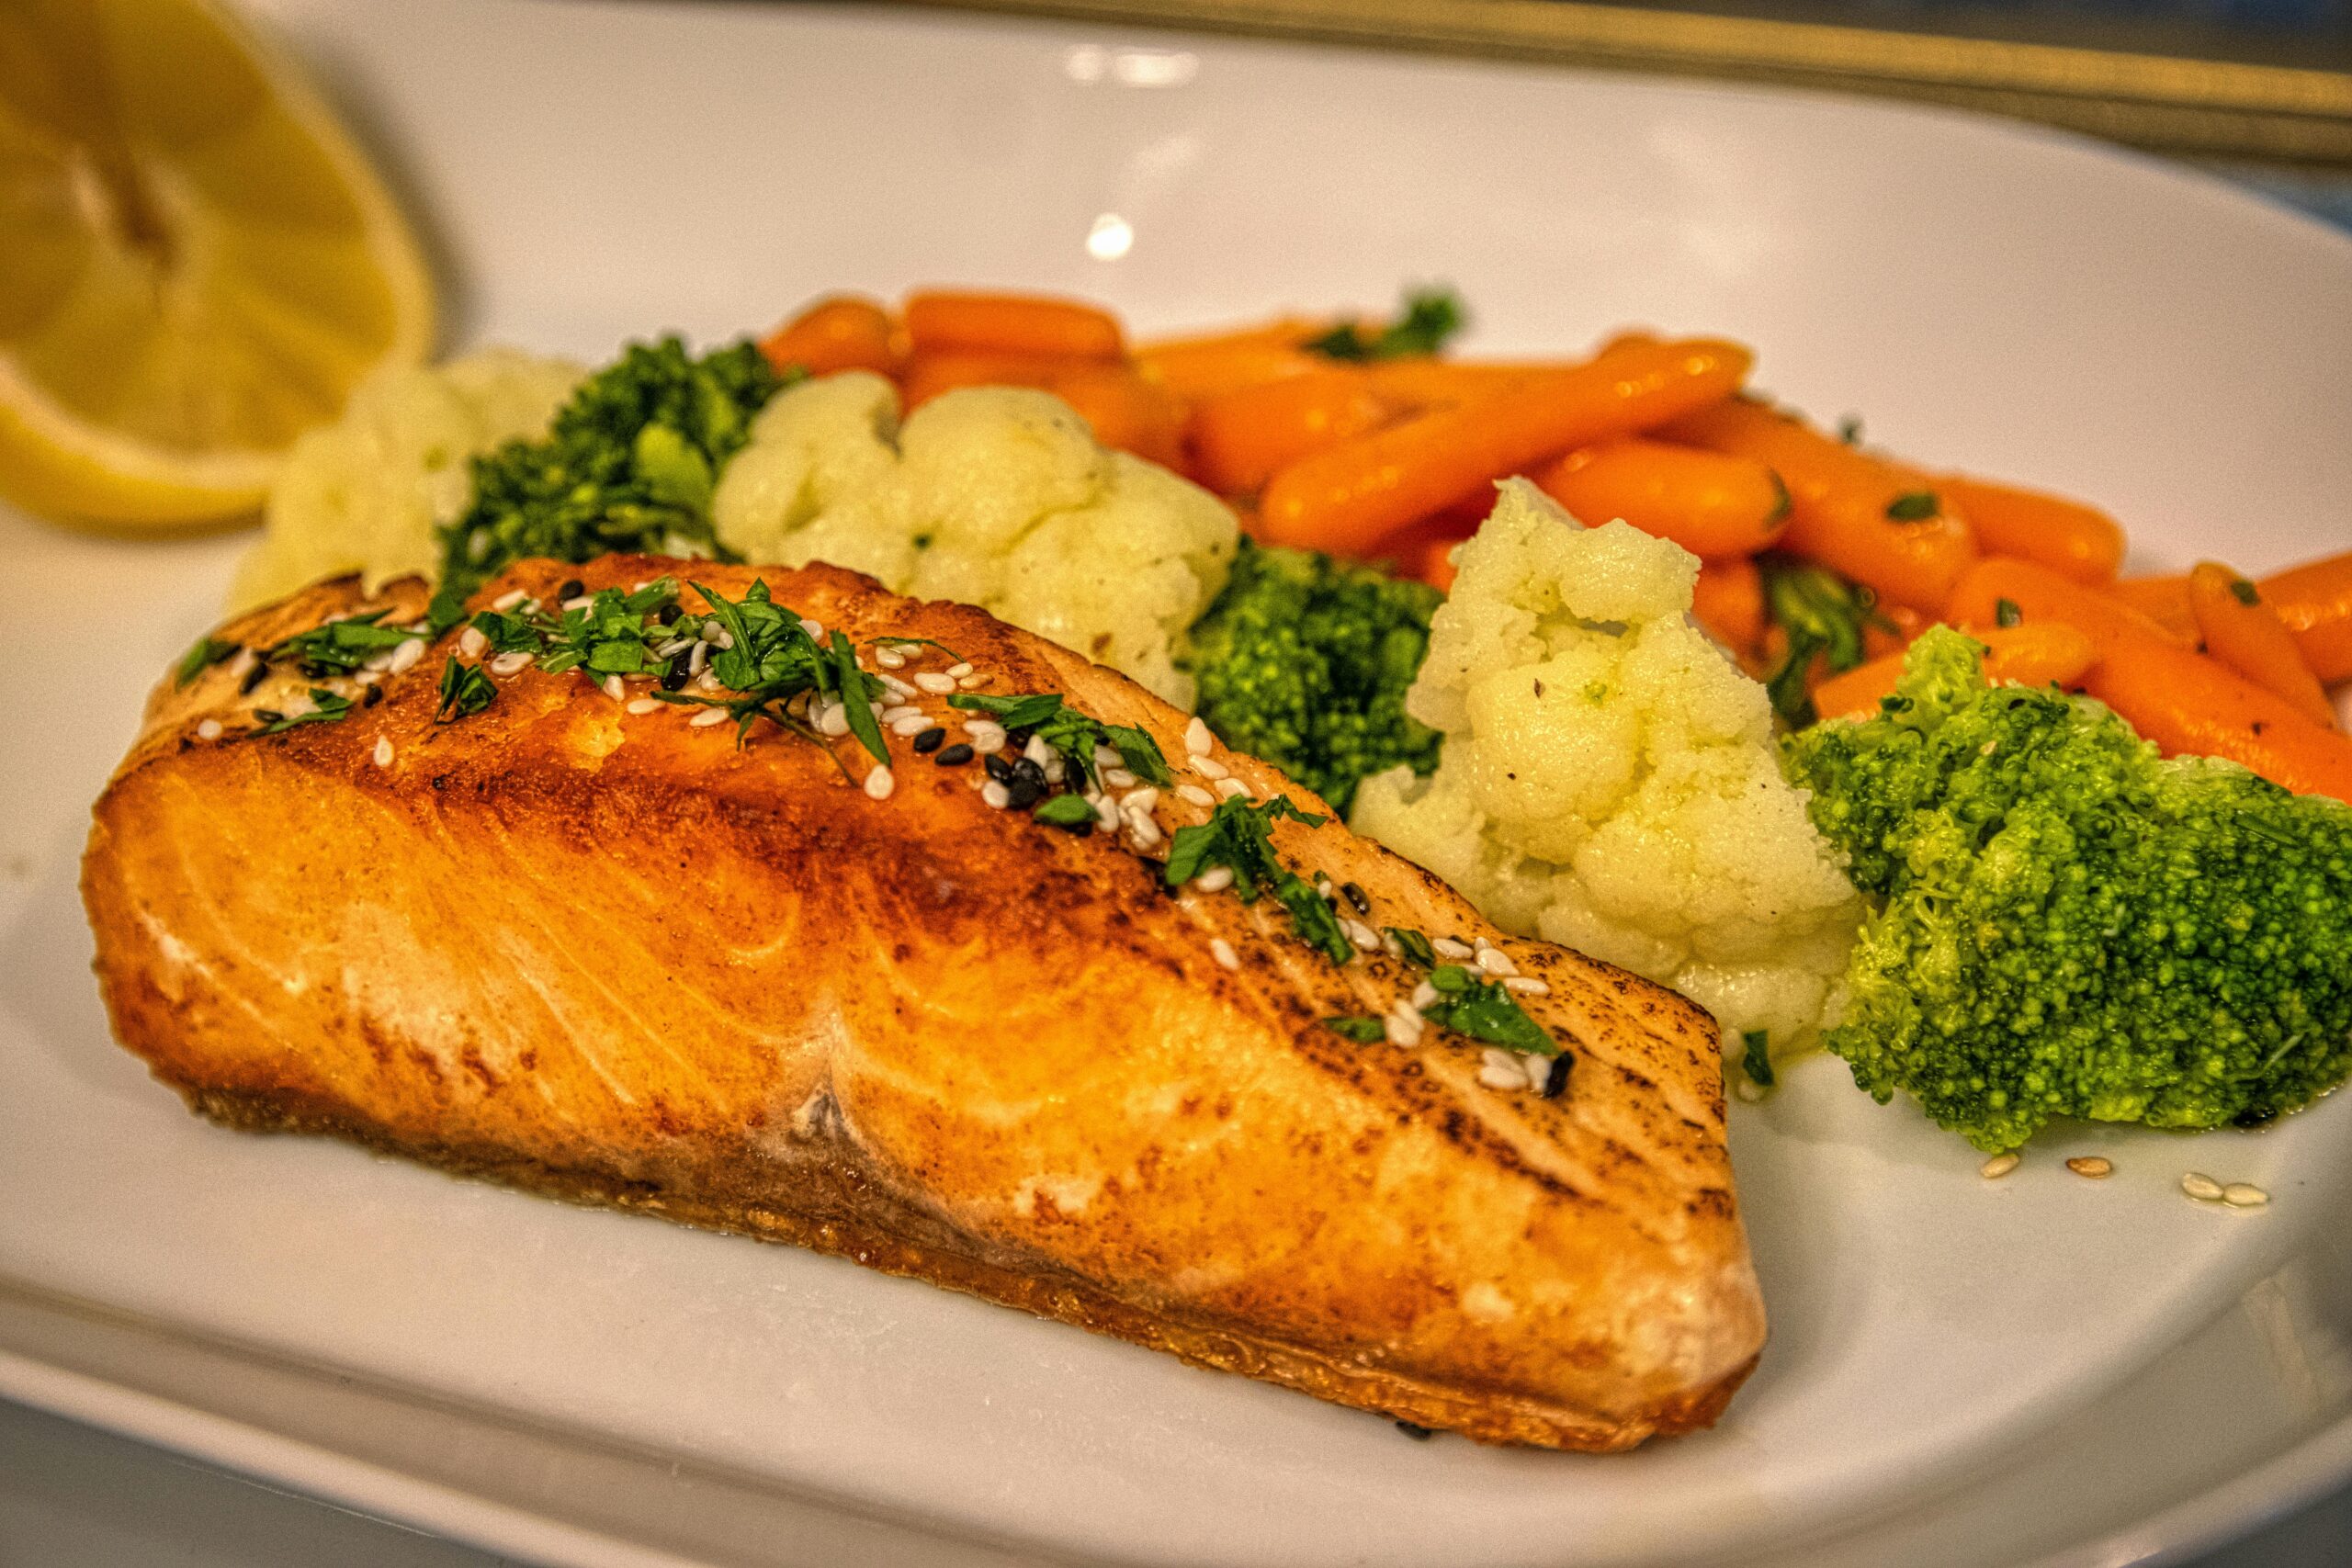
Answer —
1610 780
998 497
366 494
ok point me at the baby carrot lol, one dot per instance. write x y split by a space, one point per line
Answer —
1198 372
1711 504
2070 539
2245 634
2035 654
2178 698
843 332
1240 438
2315 600
1729 603
1873 521
943 321
2164 600
1347 499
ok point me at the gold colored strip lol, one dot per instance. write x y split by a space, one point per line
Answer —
2154 100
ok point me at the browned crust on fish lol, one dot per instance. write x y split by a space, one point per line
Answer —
612 959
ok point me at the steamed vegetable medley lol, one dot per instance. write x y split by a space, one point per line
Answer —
1849 751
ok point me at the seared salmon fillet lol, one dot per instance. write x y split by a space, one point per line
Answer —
587 943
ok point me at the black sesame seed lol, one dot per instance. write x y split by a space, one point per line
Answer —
1357 897
1555 1079
668 614
572 588
1016 739
375 695
254 677
955 756
677 676
1416 1431
269 716
933 739
1000 767
1027 785
440 781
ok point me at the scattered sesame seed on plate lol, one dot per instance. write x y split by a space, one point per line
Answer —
1362 935
898 711
1424 996
708 717
470 642
2098 1167
880 781
1222 950
895 686
2245 1195
1445 946
1997 1166
958 671
1143 829
509 599
1495 961
1209 768
890 658
1229 788
935 683
1198 740
974 682
1118 778
616 688
644 705
1216 879
2201 1187
383 751
1402 1030
1194 793
1143 799
405 656
987 739
1526 986
511 663
996 794
1498 1069
910 724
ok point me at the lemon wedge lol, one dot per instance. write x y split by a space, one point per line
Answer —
195 263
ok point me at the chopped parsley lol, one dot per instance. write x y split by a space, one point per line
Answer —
2244 591
1071 732
340 648
208 652
1430 316
463 690
1758 1060
1485 1010
1913 506
1413 945
1821 614
1239 835
1070 811
1362 1029
326 708
771 661
2005 611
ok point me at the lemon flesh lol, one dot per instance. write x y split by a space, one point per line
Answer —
195 263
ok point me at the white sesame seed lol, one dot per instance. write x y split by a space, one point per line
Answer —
874 708
1323 885
508 600
578 602
1037 751
1424 996
987 739
1401 1030
935 683
2245 1195
470 642
405 656
383 751
1503 1076
710 630
1446 947
1143 831
1209 768
510 663
2201 1187
1198 740
1231 787
895 686
645 704
1495 961
880 781
913 724
709 681
1216 879
1106 812
672 648
1992 1170
209 730
614 689
697 656
958 671
380 660
1222 950
708 717
2098 1167
1118 778
974 682
890 658
816 632
1143 799
834 719
724 640
898 711
1194 793
1525 985
995 795
1362 935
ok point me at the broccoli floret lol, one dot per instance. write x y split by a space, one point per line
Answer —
1303 661
2072 925
629 464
